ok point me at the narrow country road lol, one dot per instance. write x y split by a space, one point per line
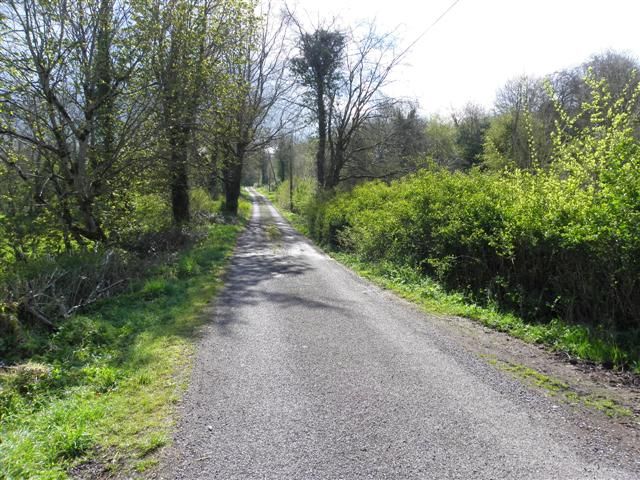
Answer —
305 371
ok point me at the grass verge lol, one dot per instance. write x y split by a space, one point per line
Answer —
559 389
578 341
103 391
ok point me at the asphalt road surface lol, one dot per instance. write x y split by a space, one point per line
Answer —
306 371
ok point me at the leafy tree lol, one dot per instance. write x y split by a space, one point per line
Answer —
258 111
72 105
441 142
471 125
184 39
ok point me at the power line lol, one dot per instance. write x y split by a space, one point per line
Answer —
436 21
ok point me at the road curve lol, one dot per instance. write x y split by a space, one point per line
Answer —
306 371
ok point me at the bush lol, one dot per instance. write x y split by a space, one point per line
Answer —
304 191
559 243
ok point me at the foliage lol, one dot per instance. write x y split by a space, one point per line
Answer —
557 243
441 142
321 54
304 191
77 160
104 385
42 291
100 102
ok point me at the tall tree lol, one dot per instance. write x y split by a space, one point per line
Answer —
344 73
318 69
258 111
182 33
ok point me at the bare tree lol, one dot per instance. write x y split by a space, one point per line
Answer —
391 144
345 73
369 59
260 111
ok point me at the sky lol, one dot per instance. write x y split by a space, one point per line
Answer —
480 44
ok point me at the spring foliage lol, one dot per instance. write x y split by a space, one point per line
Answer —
561 242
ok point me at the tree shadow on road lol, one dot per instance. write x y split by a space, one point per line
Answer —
259 259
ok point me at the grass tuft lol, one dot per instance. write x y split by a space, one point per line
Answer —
559 389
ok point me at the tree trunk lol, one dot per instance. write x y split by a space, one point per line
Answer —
213 184
232 183
322 137
336 162
179 180
264 171
92 228
291 183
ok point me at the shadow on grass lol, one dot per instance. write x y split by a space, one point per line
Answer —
106 380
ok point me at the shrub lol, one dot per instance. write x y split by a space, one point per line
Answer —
562 242
304 191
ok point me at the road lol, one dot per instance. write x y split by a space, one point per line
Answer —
306 371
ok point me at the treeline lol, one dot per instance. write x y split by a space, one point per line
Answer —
517 133
119 122
534 207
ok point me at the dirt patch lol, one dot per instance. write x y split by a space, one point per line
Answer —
91 470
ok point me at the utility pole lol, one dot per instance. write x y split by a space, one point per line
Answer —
291 182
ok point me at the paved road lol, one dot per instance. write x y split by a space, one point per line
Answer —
308 372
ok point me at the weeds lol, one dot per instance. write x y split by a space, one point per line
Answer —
559 389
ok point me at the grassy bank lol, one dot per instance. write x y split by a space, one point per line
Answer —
100 395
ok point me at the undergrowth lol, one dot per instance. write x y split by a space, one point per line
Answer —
103 386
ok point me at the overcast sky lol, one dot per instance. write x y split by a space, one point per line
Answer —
480 44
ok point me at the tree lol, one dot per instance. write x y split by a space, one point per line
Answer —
284 155
369 59
570 90
471 125
442 148
73 106
388 145
344 73
518 106
259 111
318 69
184 39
